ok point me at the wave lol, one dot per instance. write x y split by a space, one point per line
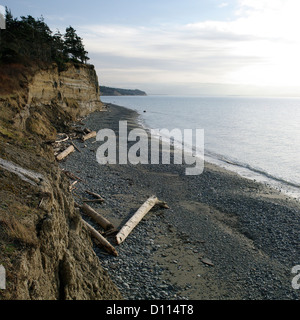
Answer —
223 159
259 171
246 170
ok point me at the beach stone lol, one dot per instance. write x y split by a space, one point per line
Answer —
234 200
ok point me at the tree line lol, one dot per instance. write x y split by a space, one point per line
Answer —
30 40
108 91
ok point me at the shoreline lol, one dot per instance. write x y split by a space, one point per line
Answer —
224 236
290 188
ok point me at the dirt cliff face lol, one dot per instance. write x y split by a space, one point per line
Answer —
44 246
75 89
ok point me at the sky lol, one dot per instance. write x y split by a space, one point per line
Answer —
198 47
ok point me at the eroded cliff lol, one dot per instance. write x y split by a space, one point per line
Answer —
44 246
75 89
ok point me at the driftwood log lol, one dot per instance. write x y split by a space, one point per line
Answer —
65 153
103 222
138 216
101 240
89 135
95 195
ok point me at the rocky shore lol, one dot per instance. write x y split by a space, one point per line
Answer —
224 237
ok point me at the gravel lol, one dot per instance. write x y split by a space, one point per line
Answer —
249 233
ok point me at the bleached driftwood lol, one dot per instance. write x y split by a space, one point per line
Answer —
62 140
89 135
138 216
29 176
96 195
103 222
71 187
101 240
65 153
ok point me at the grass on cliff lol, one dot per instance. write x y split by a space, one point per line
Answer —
14 77
18 213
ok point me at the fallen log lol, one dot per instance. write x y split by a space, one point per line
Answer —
103 222
101 240
138 216
65 153
89 135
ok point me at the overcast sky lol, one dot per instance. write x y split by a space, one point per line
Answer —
210 47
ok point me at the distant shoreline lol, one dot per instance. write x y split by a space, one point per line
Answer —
108 91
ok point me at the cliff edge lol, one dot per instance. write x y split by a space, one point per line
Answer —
44 247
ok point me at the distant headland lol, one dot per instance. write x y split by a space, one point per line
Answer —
107 91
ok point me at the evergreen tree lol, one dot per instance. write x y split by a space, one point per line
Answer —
29 40
73 46
58 51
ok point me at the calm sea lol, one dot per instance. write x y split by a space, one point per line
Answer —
259 138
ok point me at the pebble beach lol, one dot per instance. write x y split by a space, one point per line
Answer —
224 237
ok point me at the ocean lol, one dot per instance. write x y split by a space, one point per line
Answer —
258 138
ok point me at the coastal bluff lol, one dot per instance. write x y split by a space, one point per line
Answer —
46 250
75 89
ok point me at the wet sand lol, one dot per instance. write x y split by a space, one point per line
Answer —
224 237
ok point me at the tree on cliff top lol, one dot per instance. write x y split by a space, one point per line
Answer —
30 40
74 46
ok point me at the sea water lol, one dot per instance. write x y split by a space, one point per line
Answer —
259 138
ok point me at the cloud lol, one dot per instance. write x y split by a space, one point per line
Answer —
259 47
2 10
223 5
